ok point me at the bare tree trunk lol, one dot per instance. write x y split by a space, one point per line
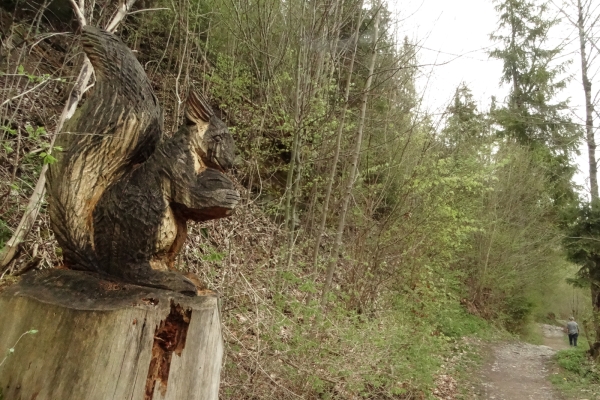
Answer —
295 159
589 106
584 16
354 166
312 73
591 145
336 155
595 292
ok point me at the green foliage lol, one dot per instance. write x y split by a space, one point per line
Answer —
9 130
453 321
576 361
578 375
382 356
32 78
35 133
465 124
582 225
532 115
517 309
213 256
530 332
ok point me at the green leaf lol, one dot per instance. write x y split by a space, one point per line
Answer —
7 148
9 130
47 158
214 256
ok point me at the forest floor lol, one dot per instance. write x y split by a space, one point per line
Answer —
518 370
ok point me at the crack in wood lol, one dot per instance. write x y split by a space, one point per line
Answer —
169 338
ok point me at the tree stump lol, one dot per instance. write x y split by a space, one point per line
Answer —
100 339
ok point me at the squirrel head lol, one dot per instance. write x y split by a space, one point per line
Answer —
210 137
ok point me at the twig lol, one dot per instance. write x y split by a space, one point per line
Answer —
231 334
120 15
78 9
47 36
12 349
149 9
27 91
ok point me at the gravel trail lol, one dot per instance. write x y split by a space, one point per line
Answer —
519 370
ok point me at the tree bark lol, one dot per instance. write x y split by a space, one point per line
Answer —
98 340
594 276
594 270
593 168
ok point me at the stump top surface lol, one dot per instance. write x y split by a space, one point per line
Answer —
87 291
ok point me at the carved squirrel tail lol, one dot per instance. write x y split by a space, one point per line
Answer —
118 126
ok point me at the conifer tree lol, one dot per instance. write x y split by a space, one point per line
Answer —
464 121
532 114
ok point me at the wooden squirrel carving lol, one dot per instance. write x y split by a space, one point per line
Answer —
120 193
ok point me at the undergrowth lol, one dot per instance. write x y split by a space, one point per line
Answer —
576 375
531 333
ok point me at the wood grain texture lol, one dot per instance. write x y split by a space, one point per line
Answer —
99 346
118 126
120 193
148 209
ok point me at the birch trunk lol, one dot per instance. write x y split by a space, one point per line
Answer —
336 155
589 106
353 167
593 167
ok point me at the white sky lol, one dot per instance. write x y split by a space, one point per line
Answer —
454 40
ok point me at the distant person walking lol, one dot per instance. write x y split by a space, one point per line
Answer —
573 331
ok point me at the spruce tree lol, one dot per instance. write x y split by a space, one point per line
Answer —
532 115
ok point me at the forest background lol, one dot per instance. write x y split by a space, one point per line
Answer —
373 233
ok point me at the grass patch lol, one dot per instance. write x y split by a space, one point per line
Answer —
576 375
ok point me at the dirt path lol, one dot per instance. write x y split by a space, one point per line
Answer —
519 370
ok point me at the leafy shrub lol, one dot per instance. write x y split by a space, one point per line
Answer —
457 322
518 310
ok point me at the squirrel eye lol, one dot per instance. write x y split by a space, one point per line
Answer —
217 138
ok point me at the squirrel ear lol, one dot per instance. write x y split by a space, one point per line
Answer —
197 108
